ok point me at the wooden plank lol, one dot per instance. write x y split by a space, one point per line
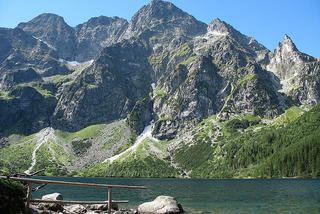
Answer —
29 194
41 181
76 202
109 200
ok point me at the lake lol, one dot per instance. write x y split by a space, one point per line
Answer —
205 196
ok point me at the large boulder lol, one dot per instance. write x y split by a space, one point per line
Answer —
161 205
51 206
53 197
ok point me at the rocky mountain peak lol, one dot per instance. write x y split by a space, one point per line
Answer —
287 45
49 19
54 31
219 27
163 16
103 20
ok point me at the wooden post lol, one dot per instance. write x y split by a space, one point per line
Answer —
29 194
109 200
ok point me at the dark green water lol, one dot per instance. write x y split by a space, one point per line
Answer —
211 196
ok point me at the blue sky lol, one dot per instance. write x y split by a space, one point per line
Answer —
266 20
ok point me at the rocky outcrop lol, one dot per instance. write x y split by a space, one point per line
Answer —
54 31
95 34
108 89
161 205
299 73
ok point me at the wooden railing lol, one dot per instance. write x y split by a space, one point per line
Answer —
109 187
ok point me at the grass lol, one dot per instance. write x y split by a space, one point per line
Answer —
160 92
189 60
42 91
88 132
5 95
289 116
183 50
246 79
17 157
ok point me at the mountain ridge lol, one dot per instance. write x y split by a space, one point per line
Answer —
163 68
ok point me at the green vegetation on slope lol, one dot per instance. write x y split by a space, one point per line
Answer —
17 157
271 151
148 160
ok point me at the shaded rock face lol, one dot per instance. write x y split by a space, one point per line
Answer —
108 89
26 111
141 114
95 34
161 205
10 79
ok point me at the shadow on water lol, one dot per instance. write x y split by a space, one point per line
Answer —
205 196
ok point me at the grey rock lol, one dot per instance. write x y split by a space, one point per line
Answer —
95 34
52 197
161 205
52 29
77 208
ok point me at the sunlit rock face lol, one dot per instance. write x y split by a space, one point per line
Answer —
298 72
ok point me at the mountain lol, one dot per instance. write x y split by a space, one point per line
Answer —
95 34
54 31
298 72
163 92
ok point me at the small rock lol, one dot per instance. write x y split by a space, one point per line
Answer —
161 205
102 207
50 206
77 208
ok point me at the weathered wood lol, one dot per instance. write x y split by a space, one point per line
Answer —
109 200
29 194
42 181
77 202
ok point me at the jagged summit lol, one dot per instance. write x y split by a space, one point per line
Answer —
287 45
163 16
218 26
102 20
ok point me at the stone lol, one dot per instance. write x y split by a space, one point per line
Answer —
77 208
161 205
52 196
51 206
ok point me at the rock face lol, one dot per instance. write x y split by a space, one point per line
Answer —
299 73
26 110
161 205
95 34
54 31
108 89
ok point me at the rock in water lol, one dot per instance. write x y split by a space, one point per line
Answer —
161 205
